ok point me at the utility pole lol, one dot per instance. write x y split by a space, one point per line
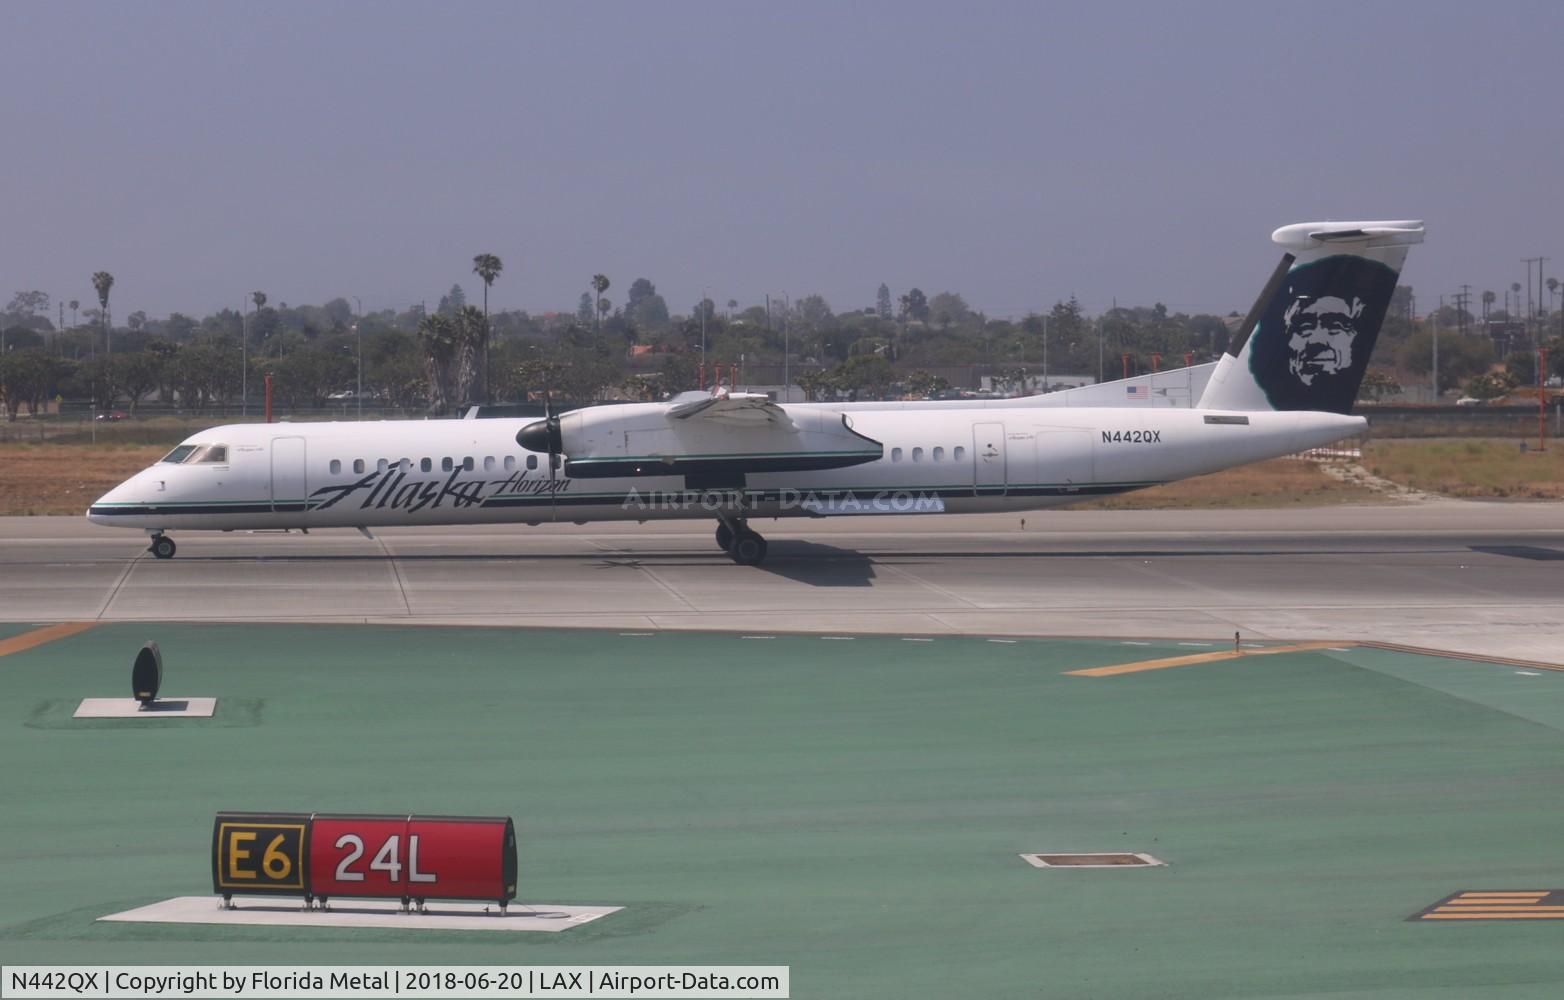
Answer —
244 357
1436 349
358 335
1461 299
705 294
1531 310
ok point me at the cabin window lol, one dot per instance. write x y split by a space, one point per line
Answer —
381 465
532 461
939 454
488 463
917 454
358 465
336 467
425 465
445 464
896 454
405 463
179 454
958 452
510 463
467 464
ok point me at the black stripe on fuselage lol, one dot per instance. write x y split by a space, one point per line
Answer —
534 501
147 510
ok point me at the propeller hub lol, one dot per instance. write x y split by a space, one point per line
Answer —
542 436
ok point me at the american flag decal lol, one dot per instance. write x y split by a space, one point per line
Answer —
1136 392
1498 904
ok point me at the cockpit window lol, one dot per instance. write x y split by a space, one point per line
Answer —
179 454
192 454
209 454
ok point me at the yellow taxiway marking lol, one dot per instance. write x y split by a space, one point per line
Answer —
1193 658
40 636
1527 914
1498 904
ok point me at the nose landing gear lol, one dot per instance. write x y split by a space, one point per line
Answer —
162 546
743 545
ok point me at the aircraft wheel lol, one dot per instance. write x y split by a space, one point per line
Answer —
724 536
163 547
748 549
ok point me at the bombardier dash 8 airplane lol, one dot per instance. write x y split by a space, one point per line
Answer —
1286 384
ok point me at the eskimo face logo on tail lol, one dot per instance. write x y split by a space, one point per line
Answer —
1320 336
1314 339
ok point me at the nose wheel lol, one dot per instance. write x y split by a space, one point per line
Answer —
743 545
162 546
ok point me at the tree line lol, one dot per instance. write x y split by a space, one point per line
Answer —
458 354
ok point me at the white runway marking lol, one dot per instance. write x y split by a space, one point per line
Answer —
912 639
1008 641
363 913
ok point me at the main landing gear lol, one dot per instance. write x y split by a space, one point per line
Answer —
743 546
162 546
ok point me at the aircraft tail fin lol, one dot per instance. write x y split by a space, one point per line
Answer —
1307 341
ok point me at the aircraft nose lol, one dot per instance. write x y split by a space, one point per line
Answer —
111 507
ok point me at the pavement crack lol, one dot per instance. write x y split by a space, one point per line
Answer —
396 574
124 575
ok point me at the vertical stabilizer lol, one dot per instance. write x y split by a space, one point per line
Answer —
1306 343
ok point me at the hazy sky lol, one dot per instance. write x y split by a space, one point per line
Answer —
1013 152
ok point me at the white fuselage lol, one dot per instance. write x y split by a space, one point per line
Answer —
425 472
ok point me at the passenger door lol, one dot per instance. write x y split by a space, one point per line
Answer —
290 488
988 457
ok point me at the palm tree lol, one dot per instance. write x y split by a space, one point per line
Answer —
437 336
74 304
1488 300
599 285
103 281
487 267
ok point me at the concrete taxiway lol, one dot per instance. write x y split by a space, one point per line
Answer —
1474 577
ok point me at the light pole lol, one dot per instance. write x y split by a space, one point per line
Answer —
1045 352
358 337
244 358
787 353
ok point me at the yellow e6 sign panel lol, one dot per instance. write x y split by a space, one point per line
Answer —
257 853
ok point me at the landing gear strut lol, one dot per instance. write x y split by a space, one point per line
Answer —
743 545
162 546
